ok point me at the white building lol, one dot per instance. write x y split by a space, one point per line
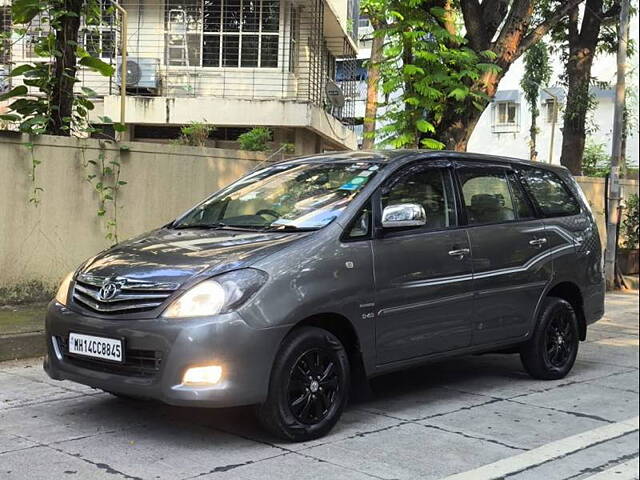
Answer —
235 64
504 126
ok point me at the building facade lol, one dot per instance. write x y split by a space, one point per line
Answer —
233 64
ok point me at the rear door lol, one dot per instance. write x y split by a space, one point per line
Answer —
511 260
424 291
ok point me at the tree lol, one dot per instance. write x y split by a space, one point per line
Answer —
60 109
580 40
537 73
373 81
476 42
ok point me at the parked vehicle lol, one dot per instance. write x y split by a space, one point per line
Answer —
284 287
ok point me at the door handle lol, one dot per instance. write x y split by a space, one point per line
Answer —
538 242
460 253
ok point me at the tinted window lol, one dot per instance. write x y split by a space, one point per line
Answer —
521 203
361 226
487 197
429 187
551 195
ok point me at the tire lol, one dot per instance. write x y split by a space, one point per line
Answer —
551 352
309 386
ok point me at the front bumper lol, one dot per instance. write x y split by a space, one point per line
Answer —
158 352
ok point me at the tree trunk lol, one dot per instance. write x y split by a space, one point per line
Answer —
373 81
575 117
533 133
65 70
455 133
582 48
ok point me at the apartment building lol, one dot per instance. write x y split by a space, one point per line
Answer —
234 64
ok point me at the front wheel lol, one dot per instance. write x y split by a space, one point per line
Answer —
551 352
309 386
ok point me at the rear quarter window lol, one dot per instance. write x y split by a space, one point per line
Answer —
550 193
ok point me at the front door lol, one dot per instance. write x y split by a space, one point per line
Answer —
422 274
511 260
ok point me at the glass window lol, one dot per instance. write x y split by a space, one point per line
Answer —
487 197
550 193
429 187
506 113
520 201
285 196
231 33
361 226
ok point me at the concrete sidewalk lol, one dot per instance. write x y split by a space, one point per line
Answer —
22 331
468 417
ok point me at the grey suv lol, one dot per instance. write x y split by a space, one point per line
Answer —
302 277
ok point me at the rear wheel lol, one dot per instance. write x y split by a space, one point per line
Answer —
309 386
551 352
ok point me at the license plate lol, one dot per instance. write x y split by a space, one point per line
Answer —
96 347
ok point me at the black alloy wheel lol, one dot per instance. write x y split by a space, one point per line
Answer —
309 386
552 349
313 386
559 339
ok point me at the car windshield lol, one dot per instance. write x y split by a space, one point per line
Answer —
295 196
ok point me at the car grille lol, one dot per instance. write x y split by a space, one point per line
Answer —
131 296
137 363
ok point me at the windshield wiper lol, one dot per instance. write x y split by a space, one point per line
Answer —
205 226
290 228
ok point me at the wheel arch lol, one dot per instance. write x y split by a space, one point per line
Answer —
570 292
345 331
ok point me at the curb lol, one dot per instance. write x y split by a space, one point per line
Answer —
22 345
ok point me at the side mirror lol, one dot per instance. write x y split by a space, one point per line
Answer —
403 215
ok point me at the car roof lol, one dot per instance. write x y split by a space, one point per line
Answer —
394 156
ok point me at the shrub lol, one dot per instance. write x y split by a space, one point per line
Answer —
595 160
195 134
631 223
255 140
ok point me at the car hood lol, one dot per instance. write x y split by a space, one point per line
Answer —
174 256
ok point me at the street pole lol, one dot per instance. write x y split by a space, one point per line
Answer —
554 120
613 201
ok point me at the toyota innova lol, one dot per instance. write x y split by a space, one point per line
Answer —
304 276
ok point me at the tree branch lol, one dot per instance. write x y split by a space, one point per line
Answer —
473 22
543 28
493 13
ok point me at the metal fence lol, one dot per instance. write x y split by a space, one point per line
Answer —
251 49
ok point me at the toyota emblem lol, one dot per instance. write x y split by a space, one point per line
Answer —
108 291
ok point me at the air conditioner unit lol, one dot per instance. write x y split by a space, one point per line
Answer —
142 74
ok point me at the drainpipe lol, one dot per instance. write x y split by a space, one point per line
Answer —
123 63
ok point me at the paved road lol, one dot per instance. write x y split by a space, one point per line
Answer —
472 418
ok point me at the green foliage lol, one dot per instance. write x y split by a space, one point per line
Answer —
195 134
104 175
631 223
595 160
256 139
537 73
34 114
428 71
288 148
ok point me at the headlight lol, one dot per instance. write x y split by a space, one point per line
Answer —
221 294
63 290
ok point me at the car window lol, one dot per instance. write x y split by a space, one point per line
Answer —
486 196
521 203
550 193
294 195
361 226
429 187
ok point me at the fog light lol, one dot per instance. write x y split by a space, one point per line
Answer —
202 375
